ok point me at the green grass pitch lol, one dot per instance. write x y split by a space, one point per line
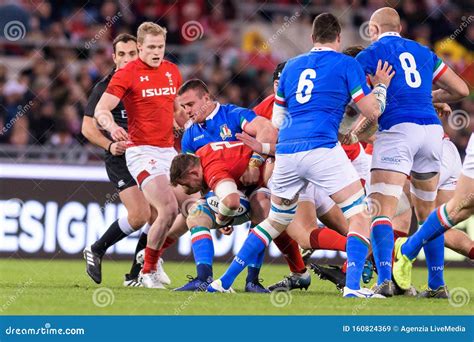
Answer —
60 287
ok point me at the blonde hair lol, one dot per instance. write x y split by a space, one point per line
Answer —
149 28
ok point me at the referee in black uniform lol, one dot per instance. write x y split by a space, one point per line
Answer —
125 50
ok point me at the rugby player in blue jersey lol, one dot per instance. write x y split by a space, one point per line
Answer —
312 95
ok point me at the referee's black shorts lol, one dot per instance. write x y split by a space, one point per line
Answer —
118 173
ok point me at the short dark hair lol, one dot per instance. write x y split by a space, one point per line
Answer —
181 165
194 84
326 28
124 38
278 70
353 50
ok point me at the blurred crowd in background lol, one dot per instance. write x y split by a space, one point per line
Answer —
49 64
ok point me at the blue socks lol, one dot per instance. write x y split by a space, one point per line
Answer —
434 252
254 268
434 226
253 246
357 248
382 247
203 250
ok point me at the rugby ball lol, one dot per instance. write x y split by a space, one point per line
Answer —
243 212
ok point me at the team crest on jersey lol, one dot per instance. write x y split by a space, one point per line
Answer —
225 132
170 80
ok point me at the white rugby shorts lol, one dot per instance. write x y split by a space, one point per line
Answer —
145 162
408 147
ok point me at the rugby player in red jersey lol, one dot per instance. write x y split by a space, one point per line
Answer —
147 88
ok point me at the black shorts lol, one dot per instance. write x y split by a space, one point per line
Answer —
118 173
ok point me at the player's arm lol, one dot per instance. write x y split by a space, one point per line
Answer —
452 87
104 117
255 145
95 136
372 105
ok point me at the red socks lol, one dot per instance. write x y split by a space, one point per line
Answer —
471 253
168 242
325 238
398 234
291 251
151 259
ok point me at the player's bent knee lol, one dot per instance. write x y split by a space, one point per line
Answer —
137 220
354 205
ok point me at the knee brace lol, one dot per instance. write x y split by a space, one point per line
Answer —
386 189
428 196
353 205
403 204
282 213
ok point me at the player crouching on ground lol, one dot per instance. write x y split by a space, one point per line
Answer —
217 167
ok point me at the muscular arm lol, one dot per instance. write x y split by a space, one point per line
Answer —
452 88
104 117
93 134
262 129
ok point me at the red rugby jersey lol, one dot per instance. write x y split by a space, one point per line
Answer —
223 160
148 95
265 108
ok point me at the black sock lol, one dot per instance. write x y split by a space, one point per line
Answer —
204 272
252 275
141 244
113 235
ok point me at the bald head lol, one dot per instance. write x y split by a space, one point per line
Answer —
383 20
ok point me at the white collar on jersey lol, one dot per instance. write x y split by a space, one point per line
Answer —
386 34
214 112
321 48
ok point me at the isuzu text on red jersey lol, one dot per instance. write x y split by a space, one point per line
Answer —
148 95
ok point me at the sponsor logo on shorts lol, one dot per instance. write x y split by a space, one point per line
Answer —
391 160
121 183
